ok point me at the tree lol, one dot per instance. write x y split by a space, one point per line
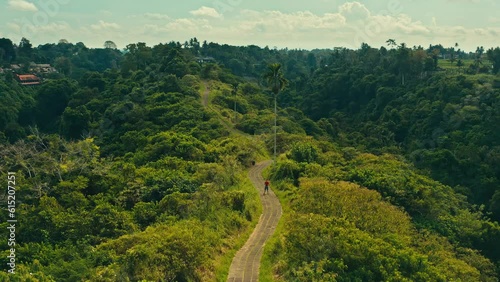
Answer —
312 61
403 61
494 57
25 48
452 58
8 54
52 99
75 121
63 65
139 55
109 44
391 42
235 93
277 82
174 63
460 64
478 59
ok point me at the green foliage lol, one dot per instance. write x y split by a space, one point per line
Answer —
75 121
304 152
171 144
255 122
141 182
275 78
52 99
362 207
8 53
168 253
342 231
430 225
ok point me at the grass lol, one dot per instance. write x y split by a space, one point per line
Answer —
446 64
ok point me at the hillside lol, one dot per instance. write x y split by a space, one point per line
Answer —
135 169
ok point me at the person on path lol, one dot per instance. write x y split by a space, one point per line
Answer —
266 187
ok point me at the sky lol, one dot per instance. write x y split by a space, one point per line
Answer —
289 24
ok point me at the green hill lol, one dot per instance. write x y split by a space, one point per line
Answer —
125 171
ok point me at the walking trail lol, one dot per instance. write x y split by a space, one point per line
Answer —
204 97
205 103
246 263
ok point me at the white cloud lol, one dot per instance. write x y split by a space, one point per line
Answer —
278 22
352 24
104 25
187 27
155 16
182 24
192 25
105 13
354 11
14 27
494 20
53 27
22 5
206 12
347 25
29 30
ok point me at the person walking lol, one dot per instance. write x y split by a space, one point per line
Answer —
266 187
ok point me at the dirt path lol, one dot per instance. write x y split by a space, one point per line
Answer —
204 102
245 265
204 98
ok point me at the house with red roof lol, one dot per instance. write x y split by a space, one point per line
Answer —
28 79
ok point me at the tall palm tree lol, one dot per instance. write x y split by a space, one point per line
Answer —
391 42
276 82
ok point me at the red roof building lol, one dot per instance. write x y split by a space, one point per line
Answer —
28 79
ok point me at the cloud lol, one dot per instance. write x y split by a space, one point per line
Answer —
14 27
352 25
494 20
187 27
206 12
434 21
276 21
347 24
354 11
191 25
182 24
22 5
30 30
155 16
102 25
105 13
54 27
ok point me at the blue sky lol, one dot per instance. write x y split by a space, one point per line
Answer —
293 24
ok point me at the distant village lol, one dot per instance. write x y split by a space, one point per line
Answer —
33 75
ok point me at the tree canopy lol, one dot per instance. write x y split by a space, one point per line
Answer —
387 164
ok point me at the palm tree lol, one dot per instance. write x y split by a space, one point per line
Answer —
391 42
276 82
403 61
478 59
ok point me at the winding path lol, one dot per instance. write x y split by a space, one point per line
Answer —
245 265
204 96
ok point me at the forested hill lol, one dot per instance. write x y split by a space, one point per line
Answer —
387 161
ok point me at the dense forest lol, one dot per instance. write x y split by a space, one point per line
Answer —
387 163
